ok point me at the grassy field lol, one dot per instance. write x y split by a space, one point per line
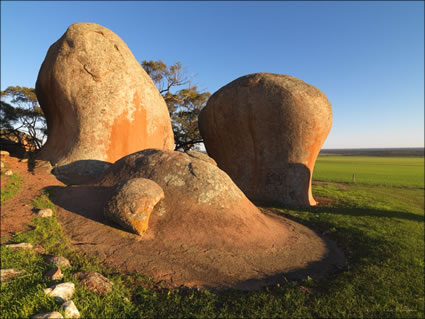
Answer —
393 171
379 227
14 183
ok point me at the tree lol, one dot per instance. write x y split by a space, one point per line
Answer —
183 104
21 113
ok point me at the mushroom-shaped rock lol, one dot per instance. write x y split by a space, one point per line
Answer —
265 130
202 204
99 103
132 204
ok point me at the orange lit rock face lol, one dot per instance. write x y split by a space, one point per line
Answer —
265 130
99 103
132 204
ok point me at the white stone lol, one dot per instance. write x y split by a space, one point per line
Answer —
61 292
8 173
70 309
48 315
46 212
19 246
7 274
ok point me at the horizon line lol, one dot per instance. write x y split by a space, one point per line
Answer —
372 148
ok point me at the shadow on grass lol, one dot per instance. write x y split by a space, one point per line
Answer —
339 209
356 240
357 212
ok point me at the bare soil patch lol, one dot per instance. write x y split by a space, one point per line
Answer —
17 212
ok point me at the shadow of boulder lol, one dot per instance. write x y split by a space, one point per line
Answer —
80 172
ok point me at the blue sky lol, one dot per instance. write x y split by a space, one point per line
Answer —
367 57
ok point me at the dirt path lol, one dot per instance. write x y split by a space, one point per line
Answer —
17 212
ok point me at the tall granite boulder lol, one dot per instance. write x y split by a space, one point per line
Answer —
265 130
201 205
99 103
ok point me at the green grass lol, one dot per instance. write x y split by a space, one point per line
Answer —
12 187
380 228
395 171
382 232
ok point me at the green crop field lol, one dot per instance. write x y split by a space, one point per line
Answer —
373 170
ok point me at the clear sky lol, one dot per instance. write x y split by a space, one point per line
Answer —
367 57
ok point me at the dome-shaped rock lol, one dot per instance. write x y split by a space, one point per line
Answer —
199 194
99 103
265 130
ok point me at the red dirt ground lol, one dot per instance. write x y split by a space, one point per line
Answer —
17 212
